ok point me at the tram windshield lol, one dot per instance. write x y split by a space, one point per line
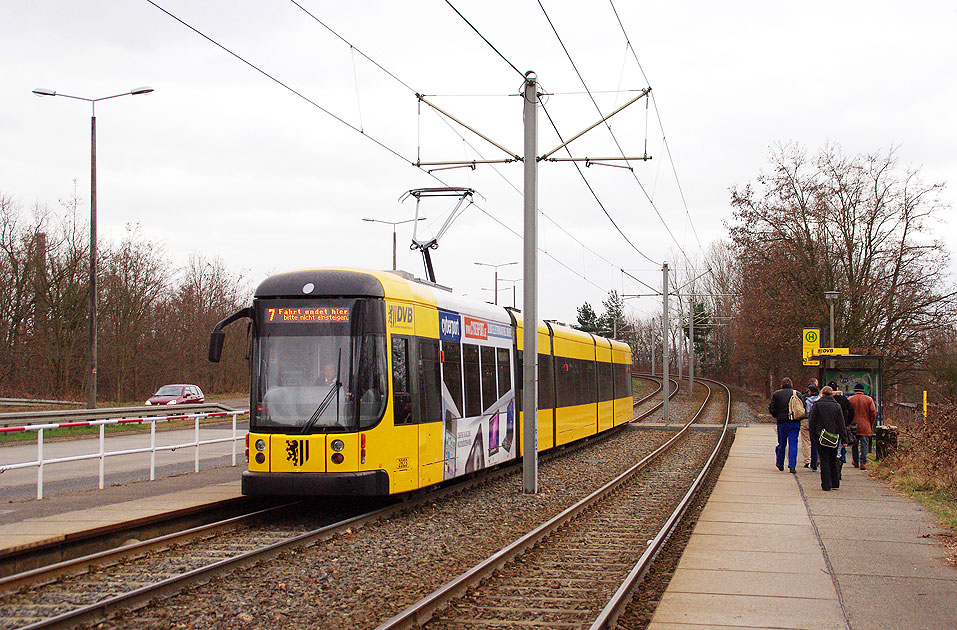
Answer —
307 352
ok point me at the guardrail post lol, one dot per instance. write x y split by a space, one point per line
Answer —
152 450
102 452
40 461
234 438
196 467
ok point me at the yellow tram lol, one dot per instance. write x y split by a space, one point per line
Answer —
375 383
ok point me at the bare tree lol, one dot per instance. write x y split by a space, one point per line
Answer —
134 281
857 224
22 250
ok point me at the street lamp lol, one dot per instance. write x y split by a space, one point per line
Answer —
91 387
481 264
831 297
393 224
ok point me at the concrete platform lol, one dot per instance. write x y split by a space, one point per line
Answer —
30 524
772 550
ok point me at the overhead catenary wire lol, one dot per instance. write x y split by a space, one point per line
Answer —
594 194
419 96
358 130
660 124
479 33
608 126
368 58
275 80
543 213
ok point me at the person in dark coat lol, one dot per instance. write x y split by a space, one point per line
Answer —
848 412
788 428
826 415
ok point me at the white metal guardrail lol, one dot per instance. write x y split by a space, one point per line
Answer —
102 454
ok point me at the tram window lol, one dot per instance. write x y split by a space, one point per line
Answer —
623 382
546 390
430 382
473 386
488 377
564 392
401 393
371 379
452 375
589 385
504 371
605 382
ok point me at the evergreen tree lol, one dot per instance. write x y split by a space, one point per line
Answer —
588 321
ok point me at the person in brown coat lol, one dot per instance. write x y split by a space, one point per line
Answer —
865 413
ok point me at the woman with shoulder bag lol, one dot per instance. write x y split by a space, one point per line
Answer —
826 425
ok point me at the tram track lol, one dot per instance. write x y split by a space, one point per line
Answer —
172 576
20 567
581 576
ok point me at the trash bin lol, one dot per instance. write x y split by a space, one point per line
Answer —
885 440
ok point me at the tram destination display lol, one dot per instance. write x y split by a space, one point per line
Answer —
308 315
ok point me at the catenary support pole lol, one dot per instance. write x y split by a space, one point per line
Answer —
665 351
691 348
530 297
91 383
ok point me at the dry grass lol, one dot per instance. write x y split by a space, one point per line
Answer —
924 465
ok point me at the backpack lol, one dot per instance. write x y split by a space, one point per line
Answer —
796 410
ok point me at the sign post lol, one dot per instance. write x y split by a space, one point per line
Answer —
811 342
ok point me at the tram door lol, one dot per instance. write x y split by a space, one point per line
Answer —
404 473
427 388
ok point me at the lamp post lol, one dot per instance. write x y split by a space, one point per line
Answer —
91 386
481 264
393 224
831 297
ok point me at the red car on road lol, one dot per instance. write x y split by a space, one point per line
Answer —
179 394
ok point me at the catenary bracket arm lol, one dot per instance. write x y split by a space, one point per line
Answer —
643 94
511 154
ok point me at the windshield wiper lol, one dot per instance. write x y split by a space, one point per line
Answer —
334 391
322 407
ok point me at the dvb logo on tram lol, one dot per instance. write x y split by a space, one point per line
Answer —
400 316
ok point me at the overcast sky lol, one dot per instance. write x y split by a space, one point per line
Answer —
222 160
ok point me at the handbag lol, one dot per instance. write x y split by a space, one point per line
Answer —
829 440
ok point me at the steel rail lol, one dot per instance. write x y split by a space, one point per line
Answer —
420 612
657 382
106 608
76 566
616 605
674 392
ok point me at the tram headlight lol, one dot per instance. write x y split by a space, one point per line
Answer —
260 445
337 445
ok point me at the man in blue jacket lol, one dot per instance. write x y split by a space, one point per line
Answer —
788 428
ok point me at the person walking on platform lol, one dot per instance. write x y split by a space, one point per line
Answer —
827 418
848 411
782 410
809 446
865 413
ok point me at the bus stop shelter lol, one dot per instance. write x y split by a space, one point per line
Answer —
847 370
